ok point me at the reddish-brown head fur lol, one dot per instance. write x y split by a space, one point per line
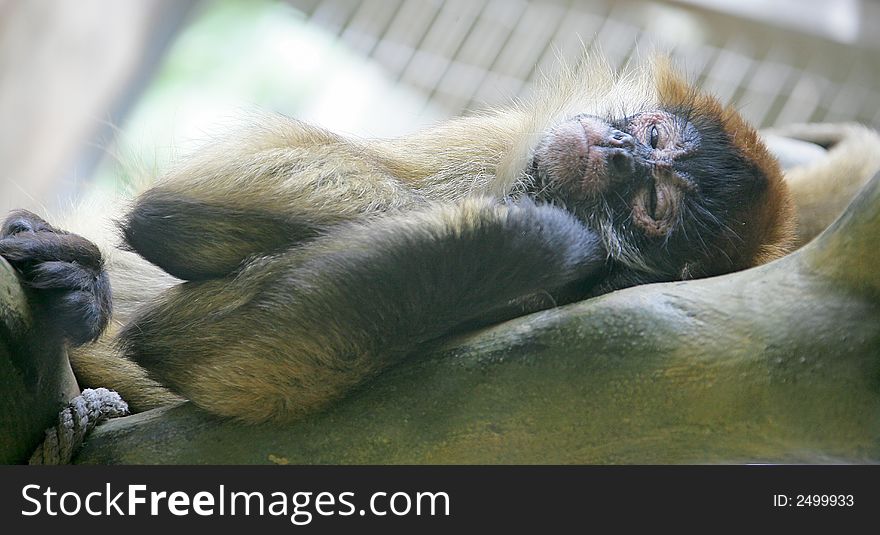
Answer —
768 229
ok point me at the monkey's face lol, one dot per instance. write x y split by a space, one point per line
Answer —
585 161
671 194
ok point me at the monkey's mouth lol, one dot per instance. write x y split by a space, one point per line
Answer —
655 206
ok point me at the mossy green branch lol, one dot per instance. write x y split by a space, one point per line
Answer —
35 377
777 363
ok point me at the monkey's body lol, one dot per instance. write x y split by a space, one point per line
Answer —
313 262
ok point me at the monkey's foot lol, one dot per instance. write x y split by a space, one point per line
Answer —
64 270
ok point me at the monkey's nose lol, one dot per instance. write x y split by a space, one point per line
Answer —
618 138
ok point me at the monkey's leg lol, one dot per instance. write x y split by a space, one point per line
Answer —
258 191
291 332
100 363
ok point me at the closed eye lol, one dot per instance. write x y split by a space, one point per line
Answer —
654 137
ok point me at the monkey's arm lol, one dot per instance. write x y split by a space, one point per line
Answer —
281 181
291 332
259 190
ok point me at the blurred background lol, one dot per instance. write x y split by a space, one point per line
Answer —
95 92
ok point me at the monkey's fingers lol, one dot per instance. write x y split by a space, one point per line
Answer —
24 221
66 272
25 249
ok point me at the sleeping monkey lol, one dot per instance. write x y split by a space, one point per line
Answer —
277 268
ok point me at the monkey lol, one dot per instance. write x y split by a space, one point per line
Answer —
278 268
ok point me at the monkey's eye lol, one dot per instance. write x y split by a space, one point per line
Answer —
654 137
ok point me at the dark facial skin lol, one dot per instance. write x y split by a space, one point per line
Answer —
659 188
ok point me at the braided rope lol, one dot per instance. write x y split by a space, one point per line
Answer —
80 416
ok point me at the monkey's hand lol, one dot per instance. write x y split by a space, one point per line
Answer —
291 332
64 271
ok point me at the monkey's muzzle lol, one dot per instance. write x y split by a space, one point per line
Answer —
585 157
